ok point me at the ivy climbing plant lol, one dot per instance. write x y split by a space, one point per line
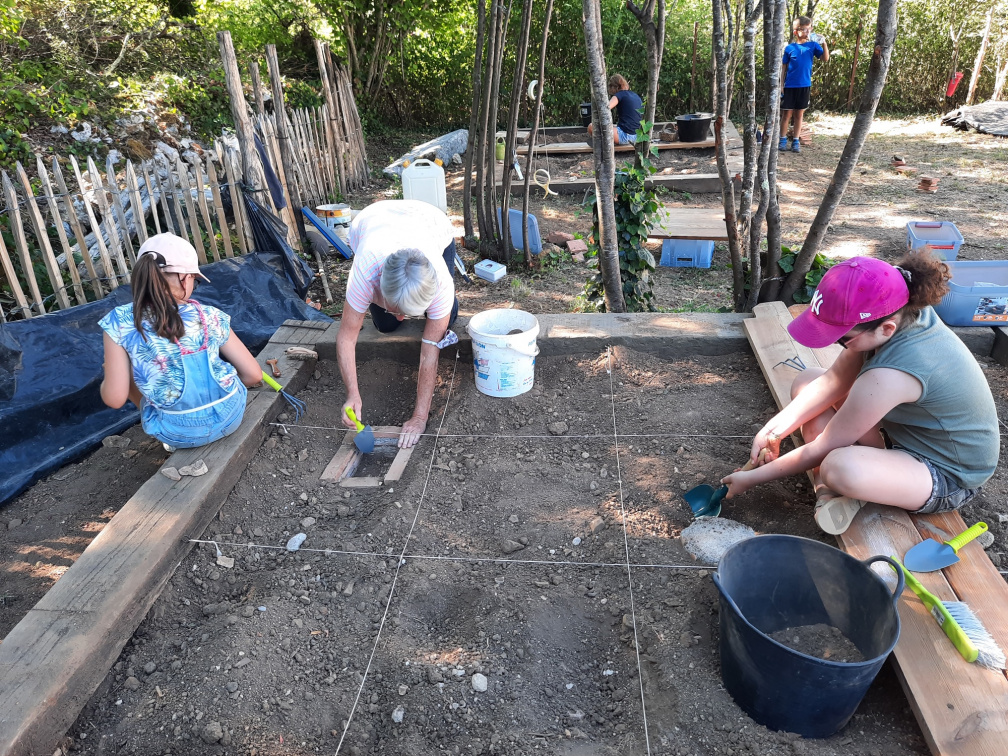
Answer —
636 211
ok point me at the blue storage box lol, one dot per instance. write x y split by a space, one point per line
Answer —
687 253
978 294
515 224
942 236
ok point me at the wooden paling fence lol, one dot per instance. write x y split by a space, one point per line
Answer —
62 257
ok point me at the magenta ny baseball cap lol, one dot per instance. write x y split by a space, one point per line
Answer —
854 291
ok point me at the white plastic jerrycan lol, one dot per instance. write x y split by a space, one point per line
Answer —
424 180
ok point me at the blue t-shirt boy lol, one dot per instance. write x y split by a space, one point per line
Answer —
798 59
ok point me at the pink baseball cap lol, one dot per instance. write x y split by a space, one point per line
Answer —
854 291
178 254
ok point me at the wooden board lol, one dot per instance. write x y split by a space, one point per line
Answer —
733 141
347 458
690 223
962 708
53 660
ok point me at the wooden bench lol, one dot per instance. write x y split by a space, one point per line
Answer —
55 658
962 708
690 223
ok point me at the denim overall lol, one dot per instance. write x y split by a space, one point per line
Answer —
204 412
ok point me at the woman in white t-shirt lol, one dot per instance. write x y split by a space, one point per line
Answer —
403 265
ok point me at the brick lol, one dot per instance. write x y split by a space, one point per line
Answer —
559 237
576 245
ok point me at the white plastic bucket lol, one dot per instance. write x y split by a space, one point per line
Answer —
334 216
504 362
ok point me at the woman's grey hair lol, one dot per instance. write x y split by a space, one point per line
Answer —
408 282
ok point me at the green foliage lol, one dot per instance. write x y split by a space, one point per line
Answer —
820 265
636 207
203 99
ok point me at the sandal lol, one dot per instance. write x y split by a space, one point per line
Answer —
835 515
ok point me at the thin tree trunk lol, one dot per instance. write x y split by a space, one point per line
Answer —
517 91
605 161
999 83
490 196
654 36
885 38
479 147
722 54
753 9
534 131
978 65
773 40
692 80
473 120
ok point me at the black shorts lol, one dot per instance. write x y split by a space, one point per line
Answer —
795 98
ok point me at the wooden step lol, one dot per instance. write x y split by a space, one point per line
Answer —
690 223
962 708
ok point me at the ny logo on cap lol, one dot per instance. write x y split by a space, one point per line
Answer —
816 301
865 315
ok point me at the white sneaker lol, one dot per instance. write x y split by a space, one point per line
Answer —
168 448
835 515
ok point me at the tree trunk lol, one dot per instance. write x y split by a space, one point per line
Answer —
753 9
534 131
473 120
878 69
491 193
999 83
722 53
692 80
517 91
774 15
605 161
654 36
978 65
479 146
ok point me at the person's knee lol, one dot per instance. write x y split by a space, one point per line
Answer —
839 470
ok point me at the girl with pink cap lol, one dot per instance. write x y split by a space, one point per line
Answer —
903 417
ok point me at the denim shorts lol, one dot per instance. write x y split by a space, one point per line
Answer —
189 430
946 494
625 138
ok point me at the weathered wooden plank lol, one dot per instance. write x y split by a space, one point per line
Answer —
78 232
136 202
961 708
54 659
204 210
177 206
115 247
21 242
690 223
120 213
103 252
42 237
153 196
219 206
12 279
186 189
236 202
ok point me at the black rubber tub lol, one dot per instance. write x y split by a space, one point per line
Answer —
693 127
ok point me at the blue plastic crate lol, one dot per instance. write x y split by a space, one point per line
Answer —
978 294
942 236
515 224
687 253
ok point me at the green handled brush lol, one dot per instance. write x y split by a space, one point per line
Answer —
961 625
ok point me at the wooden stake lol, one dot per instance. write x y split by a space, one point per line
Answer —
103 253
54 213
294 199
42 237
171 222
12 280
219 206
204 210
251 170
257 87
184 185
109 220
78 232
236 202
136 202
153 197
330 98
14 213
120 213
180 220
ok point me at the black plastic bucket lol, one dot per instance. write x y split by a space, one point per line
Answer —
772 582
694 127
585 110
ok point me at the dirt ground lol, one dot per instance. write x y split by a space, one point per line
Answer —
268 657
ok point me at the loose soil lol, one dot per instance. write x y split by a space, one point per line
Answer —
273 650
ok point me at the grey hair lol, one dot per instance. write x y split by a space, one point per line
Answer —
408 282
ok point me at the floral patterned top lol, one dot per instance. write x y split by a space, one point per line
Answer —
157 362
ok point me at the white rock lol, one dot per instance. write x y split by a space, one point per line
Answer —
479 683
307 522
295 542
59 129
167 150
83 133
114 156
196 469
398 714
576 542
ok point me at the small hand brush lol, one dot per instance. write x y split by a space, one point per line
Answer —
962 627
296 404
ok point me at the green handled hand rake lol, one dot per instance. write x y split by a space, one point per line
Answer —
296 404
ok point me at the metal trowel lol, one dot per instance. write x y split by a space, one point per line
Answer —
929 555
364 440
